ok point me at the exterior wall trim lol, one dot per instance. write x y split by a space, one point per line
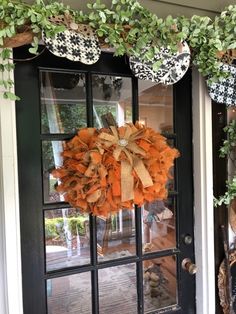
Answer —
203 196
10 253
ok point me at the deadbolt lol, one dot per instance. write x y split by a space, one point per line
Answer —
190 267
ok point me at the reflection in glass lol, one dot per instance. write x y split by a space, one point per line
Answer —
158 224
66 238
51 154
159 283
63 102
156 106
112 94
116 236
171 181
69 294
117 290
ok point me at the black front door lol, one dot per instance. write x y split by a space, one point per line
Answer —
76 263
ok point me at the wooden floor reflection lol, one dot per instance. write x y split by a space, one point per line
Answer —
160 288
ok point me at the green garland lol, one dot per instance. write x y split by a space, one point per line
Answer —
228 150
127 27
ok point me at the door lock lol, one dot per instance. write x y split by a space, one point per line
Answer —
188 239
190 267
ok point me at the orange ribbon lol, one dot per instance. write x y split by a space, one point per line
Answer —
134 162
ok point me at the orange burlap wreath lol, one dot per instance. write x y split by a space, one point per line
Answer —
109 169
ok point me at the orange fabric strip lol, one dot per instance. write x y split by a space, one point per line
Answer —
127 181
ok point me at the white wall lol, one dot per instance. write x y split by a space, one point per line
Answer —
10 261
203 196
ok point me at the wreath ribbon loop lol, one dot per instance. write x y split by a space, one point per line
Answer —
127 145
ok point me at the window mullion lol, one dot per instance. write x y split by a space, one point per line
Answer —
89 99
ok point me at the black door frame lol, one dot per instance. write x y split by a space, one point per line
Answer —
28 113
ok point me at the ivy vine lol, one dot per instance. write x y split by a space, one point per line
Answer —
228 150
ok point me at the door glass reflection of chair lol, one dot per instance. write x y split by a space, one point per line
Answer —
158 226
116 235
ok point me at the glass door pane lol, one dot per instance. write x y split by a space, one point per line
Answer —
159 225
159 283
117 290
116 236
70 294
51 158
156 106
112 94
63 102
67 238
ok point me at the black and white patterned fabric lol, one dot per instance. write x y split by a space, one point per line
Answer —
74 45
172 69
224 90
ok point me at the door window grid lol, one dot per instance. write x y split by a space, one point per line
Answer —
139 259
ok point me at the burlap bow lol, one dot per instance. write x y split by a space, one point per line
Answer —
134 161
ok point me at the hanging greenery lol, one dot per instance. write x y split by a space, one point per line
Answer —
228 150
125 26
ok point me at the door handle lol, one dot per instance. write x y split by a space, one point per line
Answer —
190 267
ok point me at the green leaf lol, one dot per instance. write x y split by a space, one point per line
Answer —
157 65
33 18
102 16
92 16
10 96
100 33
6 53
33 50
